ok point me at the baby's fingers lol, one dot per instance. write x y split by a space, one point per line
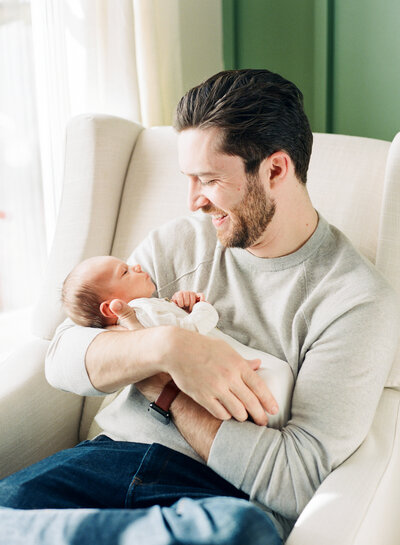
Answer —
177 298
192 300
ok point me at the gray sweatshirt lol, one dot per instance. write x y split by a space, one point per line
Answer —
323 309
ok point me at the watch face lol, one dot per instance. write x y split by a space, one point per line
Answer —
159 413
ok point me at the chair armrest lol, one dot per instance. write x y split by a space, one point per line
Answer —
358 503
35 419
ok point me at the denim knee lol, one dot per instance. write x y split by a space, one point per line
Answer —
220 521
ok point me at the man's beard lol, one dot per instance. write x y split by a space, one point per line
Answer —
249 219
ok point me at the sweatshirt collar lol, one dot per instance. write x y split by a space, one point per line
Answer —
287 261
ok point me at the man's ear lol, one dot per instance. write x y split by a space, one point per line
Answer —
105 309
278 165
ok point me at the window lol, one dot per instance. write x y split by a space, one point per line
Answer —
22 227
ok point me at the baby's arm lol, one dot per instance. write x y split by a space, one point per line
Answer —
187 299
201 315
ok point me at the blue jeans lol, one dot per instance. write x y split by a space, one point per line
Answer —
110 492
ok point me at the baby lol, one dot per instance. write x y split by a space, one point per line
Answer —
91 286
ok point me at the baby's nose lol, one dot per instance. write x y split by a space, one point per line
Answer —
137 268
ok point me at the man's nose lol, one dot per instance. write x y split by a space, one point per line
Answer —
196 199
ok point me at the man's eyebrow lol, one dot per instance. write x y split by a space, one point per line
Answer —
199 173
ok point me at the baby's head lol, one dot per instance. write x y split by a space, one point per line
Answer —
93 284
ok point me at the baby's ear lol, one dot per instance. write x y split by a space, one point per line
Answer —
105 309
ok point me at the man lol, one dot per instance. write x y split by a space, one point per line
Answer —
284 281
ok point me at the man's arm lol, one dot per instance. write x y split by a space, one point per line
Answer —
334 402
206 369
92 361
194 422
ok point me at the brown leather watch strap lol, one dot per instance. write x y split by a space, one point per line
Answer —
167 396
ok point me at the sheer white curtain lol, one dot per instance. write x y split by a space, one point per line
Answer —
132 58
60 58
22 229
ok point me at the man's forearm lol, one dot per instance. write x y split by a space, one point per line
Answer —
195 423
207 369
116 359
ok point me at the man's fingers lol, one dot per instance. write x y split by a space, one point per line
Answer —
261 391
254 364
251 405
234 406
217 410
116 306
126 315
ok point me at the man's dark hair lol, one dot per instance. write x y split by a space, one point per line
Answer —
259 112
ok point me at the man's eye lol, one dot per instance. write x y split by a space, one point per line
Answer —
207 182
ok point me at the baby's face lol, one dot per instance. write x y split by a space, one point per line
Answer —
116 280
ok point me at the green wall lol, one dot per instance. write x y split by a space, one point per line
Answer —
366 83
343 54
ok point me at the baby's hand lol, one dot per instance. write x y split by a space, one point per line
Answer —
187 299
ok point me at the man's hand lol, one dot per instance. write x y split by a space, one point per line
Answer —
187 299
213 374
125 314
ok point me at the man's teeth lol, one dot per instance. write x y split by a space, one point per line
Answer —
219 216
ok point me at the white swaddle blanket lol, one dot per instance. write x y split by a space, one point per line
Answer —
153 312
275 372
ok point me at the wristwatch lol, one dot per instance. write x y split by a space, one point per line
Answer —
160 407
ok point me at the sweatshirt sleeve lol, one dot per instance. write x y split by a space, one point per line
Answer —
334 401
65 360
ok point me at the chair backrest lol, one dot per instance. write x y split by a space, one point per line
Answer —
345 181
122 181
155 191
355 183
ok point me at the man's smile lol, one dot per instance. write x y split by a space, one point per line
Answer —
218 219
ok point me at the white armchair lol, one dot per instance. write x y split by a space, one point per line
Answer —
119 182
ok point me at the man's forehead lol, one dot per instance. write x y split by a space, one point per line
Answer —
200 154
203 141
